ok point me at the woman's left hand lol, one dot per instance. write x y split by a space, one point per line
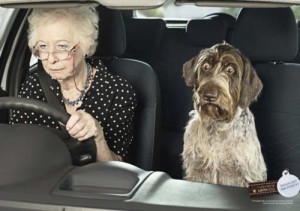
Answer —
82 126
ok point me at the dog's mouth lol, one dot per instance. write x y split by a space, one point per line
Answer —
214 111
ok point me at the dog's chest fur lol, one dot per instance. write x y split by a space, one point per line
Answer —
222 153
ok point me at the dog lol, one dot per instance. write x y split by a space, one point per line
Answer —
220 140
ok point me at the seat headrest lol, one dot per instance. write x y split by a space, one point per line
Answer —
266 34
112 37
206 32
144 34
222 16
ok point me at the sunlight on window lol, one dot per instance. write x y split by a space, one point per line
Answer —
296 10
5 15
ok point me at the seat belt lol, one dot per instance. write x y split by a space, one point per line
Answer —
50 97
82 152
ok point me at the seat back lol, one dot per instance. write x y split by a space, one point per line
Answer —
229 19
144 81
268 36
112 44
143 37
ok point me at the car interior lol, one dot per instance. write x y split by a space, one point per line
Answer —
150 53
166 52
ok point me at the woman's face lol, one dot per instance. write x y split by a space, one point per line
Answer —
66 57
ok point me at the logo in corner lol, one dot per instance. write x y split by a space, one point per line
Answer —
288 185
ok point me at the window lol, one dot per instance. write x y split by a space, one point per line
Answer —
5 17
296 10
6 23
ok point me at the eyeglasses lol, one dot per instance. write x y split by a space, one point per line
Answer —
61 55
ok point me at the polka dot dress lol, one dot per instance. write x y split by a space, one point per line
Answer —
111 100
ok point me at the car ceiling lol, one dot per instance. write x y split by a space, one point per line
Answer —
117 4
145 4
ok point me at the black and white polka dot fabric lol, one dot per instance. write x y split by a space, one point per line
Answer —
110 99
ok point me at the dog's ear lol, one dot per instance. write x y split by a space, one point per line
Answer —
189 72
251 85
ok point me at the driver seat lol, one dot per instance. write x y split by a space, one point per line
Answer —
111 46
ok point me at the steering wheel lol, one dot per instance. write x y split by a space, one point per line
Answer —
82 152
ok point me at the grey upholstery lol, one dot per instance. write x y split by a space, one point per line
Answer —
269 38
142 78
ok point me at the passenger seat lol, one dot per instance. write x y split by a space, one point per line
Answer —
269 37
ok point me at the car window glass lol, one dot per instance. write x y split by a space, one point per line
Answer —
296 10
33 61
5 17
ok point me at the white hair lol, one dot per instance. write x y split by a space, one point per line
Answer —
85 21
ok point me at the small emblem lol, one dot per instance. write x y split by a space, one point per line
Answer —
288 185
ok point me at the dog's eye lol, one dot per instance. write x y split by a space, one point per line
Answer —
206 66
230 70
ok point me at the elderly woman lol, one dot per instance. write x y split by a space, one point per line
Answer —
101 104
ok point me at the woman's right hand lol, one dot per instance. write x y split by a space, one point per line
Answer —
83 126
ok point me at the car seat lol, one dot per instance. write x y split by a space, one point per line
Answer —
112 45
269 38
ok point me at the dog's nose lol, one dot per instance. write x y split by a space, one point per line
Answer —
210 93
210 96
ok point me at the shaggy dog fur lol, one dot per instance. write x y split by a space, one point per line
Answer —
220 140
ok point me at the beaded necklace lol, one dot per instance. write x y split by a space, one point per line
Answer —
89 77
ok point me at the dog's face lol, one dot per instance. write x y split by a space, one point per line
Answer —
223 79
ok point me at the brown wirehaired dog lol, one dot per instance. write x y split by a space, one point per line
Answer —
220 140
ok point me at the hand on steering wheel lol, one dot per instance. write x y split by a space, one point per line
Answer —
82 152
83 126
